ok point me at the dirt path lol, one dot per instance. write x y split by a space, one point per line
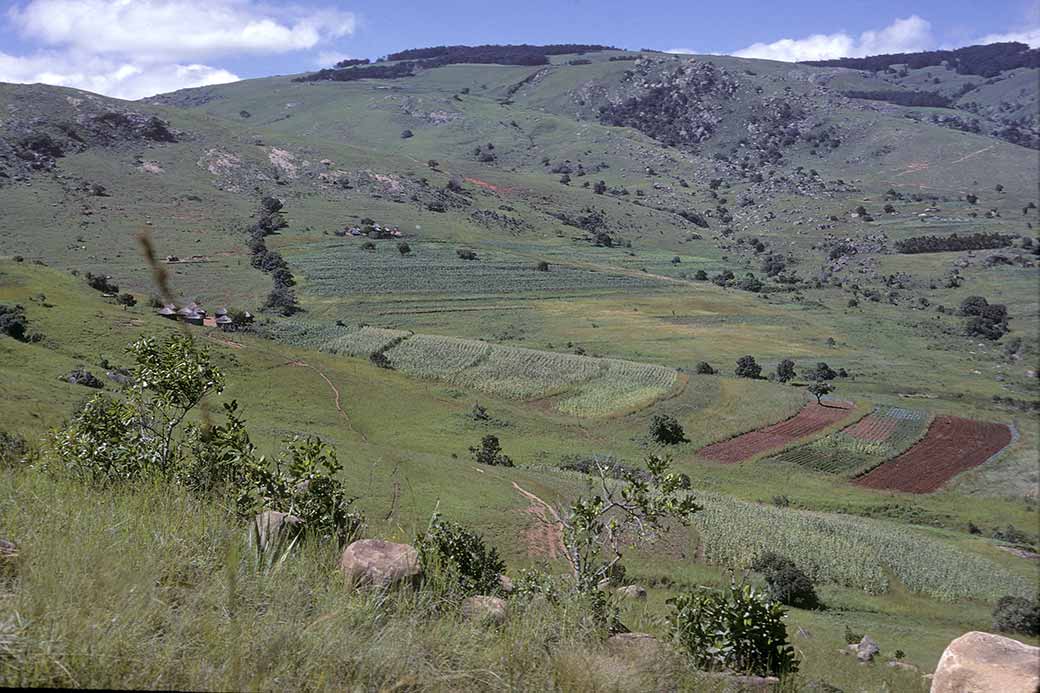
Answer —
335 394
545 539
337 398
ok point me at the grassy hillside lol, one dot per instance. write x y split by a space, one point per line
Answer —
583 312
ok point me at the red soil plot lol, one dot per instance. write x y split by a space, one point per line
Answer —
950 446
810 419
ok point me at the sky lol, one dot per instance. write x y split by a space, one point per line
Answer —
135 48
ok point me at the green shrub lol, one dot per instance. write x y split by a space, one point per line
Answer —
490 452
13 449
747 367
1017 615
460 555
303 481
665 430
737 629
786 583
704 368
851 636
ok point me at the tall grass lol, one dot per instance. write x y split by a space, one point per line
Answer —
149 588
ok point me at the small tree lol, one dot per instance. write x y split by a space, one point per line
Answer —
600 187
785 371
542 266
704 368
820 388
614 514
404 248
665 430
490 453
747 367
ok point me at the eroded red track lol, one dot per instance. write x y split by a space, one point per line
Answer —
810 419
951 446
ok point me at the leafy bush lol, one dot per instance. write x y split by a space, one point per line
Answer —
13 322
490 452
102 283
449 549
747 367
665 430
466 254
785 371
303 481
111 441
1017 615
821 371
786 583
13 449
703 368
737 629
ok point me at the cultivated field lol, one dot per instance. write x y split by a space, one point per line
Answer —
586 386
810 419
951 446
879 436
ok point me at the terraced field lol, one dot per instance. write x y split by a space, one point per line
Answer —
879 436
365 342
343 268
810 419
588 386
951 446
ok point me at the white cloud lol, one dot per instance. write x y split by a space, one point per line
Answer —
176 29
1027 36
901 36
115 78
135 48
330 58
682 51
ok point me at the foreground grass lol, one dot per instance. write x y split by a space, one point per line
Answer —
148 588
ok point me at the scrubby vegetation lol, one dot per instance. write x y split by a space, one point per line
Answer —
985 61
953 242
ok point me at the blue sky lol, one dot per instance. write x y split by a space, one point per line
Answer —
135 48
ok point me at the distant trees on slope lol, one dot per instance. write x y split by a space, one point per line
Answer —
985 61
953 242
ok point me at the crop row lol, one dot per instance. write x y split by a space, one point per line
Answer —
879 436
343 268
591 386
364 342
854 552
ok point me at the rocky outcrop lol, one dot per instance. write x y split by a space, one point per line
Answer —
983 663
485 609
378 563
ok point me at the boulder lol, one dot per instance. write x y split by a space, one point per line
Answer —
631 592
270 525
983 662
505 584
379 563
484 609
866 649
905 666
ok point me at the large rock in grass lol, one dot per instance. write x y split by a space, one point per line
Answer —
380 563
631 592
484 609
867 649
984 663
271 527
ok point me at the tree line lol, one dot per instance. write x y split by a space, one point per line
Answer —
953 242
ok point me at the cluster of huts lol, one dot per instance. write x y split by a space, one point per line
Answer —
194 314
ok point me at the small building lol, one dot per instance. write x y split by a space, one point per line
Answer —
194 318
224 322
169 311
